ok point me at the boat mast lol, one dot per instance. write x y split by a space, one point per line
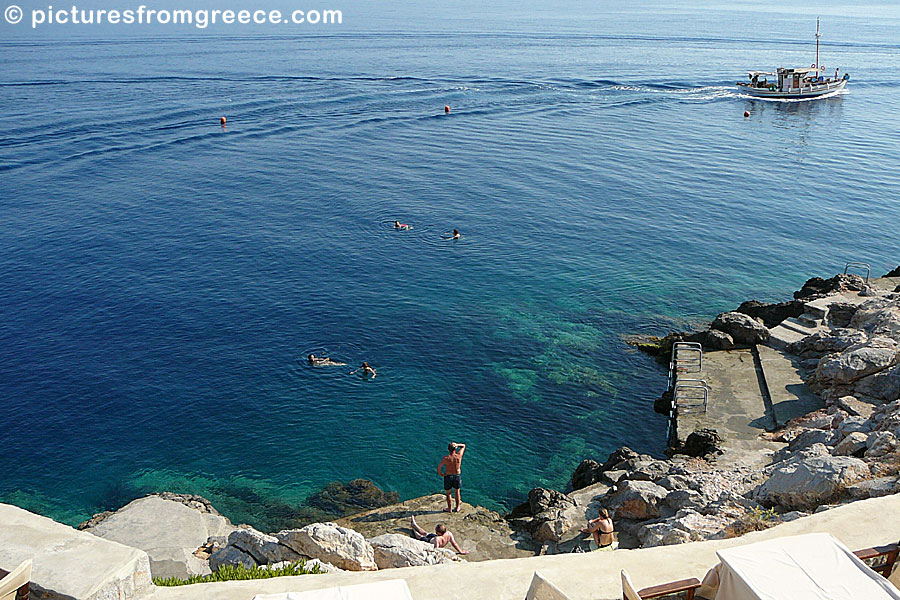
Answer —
817 43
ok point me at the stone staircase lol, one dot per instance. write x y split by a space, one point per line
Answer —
794 329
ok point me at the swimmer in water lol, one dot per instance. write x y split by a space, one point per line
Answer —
455 235
367 371
401 226
323 361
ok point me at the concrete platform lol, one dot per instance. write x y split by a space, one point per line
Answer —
69 563
789 395
590 576
736 409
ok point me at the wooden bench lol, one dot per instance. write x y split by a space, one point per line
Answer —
686 586
880 559
674 587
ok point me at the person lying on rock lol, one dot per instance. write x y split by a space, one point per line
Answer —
603 531
440 538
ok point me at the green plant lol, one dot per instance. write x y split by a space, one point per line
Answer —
240 572
757 519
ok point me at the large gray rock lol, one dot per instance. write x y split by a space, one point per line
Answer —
649 471
637 500
71 564
329 542
854 444
547 515
828 342
878 318
587 473
881 443
395 550
884 386
745 330
686 526
874 488
229 555
167 530
806 483
712 339
856 362
265 549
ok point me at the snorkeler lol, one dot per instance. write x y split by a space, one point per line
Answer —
323 361
367 371
401 226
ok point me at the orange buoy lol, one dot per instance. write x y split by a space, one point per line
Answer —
446 108
223 120
746 113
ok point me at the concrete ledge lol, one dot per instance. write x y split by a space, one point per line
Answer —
71 564
592 576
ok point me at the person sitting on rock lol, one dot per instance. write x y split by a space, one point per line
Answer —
440 538
603 531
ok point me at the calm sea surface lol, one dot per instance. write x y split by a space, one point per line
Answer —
162 279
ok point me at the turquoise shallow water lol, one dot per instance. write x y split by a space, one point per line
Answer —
161 279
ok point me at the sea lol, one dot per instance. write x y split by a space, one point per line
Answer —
163 279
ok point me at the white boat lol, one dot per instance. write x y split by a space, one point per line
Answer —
797 83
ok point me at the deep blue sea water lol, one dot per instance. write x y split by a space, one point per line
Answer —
162 279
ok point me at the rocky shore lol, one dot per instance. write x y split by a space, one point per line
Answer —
846 451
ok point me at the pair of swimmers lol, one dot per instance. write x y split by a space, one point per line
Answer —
324 361
405 227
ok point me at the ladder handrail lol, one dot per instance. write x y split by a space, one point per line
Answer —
859 265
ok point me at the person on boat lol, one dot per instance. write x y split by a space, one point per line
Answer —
323 361
602 529
401 226
367 371
440 538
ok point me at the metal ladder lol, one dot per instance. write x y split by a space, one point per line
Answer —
858 265
688 395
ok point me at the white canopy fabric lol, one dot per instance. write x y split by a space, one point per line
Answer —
541 589
804 567
392 589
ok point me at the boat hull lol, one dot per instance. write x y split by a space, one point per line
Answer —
802 93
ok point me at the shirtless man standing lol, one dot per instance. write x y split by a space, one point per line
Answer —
449 469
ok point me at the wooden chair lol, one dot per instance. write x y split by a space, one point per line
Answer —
15 584
657 591
883 558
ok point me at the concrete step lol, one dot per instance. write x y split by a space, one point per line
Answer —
781 337
789 395
810 320
799 326
71 564
817 309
